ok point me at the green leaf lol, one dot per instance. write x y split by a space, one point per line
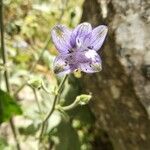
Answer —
68 138
8 107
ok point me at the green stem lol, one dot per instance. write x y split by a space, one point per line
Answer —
60 89
6 72
37 100
14 133
20 88
45 89
71 106
61 84
52 109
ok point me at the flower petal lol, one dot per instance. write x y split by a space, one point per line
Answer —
62 64
91 63
61 38
81 35
98 37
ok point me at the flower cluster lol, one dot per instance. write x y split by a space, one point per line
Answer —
78 48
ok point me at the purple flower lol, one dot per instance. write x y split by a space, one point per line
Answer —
78 48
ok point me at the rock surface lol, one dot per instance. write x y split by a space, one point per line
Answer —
121 91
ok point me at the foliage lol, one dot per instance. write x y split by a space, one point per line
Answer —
65 132
30 56
8 107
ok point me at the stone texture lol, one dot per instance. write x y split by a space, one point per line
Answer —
121 90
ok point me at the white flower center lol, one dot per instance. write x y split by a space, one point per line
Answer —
91 54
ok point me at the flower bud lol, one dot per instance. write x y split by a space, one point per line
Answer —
35 82
83 99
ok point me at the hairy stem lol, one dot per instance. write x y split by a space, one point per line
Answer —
45 89
37 100
52 109
3 51
71 106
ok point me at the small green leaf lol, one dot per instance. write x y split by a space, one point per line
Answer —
8 107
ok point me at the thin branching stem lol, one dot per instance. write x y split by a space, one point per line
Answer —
37 100
58 92
53 108
3 51
71 106
43 50
46 90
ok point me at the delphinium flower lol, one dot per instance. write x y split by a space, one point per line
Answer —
78 48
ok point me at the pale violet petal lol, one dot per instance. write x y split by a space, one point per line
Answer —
61 38
91 63
62 64
81 35
98 37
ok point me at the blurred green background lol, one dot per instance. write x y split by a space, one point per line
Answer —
30 54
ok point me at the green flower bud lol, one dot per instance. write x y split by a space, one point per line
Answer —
35 82
83 99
